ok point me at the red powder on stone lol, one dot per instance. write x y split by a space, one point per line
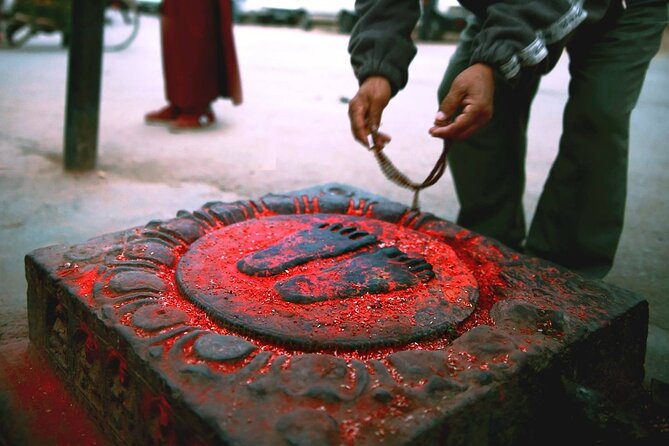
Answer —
359 210
91 345
213 273
374 419
487 273
158 413
84 278
466 261
457 263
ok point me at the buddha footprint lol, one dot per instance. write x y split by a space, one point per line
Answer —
321 241
381 271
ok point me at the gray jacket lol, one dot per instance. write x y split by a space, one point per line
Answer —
513 35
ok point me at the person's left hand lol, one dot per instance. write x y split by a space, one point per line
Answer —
472 92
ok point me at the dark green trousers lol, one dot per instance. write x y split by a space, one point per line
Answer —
579 217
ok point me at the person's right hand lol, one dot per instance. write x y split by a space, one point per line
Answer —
472 92
366 108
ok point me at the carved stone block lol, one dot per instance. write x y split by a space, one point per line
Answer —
325 316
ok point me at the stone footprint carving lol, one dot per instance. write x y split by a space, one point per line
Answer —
381 271
323 240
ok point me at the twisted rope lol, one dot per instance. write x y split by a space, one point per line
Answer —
393 174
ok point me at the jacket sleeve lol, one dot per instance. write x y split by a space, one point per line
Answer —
381 43
522 35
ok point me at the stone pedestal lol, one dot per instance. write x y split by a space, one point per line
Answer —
326 316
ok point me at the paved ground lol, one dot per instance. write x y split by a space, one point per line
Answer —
291 132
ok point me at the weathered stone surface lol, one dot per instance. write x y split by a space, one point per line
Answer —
459 341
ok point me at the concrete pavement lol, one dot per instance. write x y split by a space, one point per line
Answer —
291 132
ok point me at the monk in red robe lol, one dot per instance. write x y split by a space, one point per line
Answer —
199 62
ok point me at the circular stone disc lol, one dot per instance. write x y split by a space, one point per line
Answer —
322 281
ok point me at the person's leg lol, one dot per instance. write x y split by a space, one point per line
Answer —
189 40
168 113
229 78
580 214
189 33
489 167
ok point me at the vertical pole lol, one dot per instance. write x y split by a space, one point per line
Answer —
82 107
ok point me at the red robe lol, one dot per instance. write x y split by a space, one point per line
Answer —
199 57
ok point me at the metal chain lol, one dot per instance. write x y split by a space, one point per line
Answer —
393 174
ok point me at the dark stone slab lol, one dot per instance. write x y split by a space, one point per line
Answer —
235 324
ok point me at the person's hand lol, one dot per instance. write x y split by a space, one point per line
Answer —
366 108
472 92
